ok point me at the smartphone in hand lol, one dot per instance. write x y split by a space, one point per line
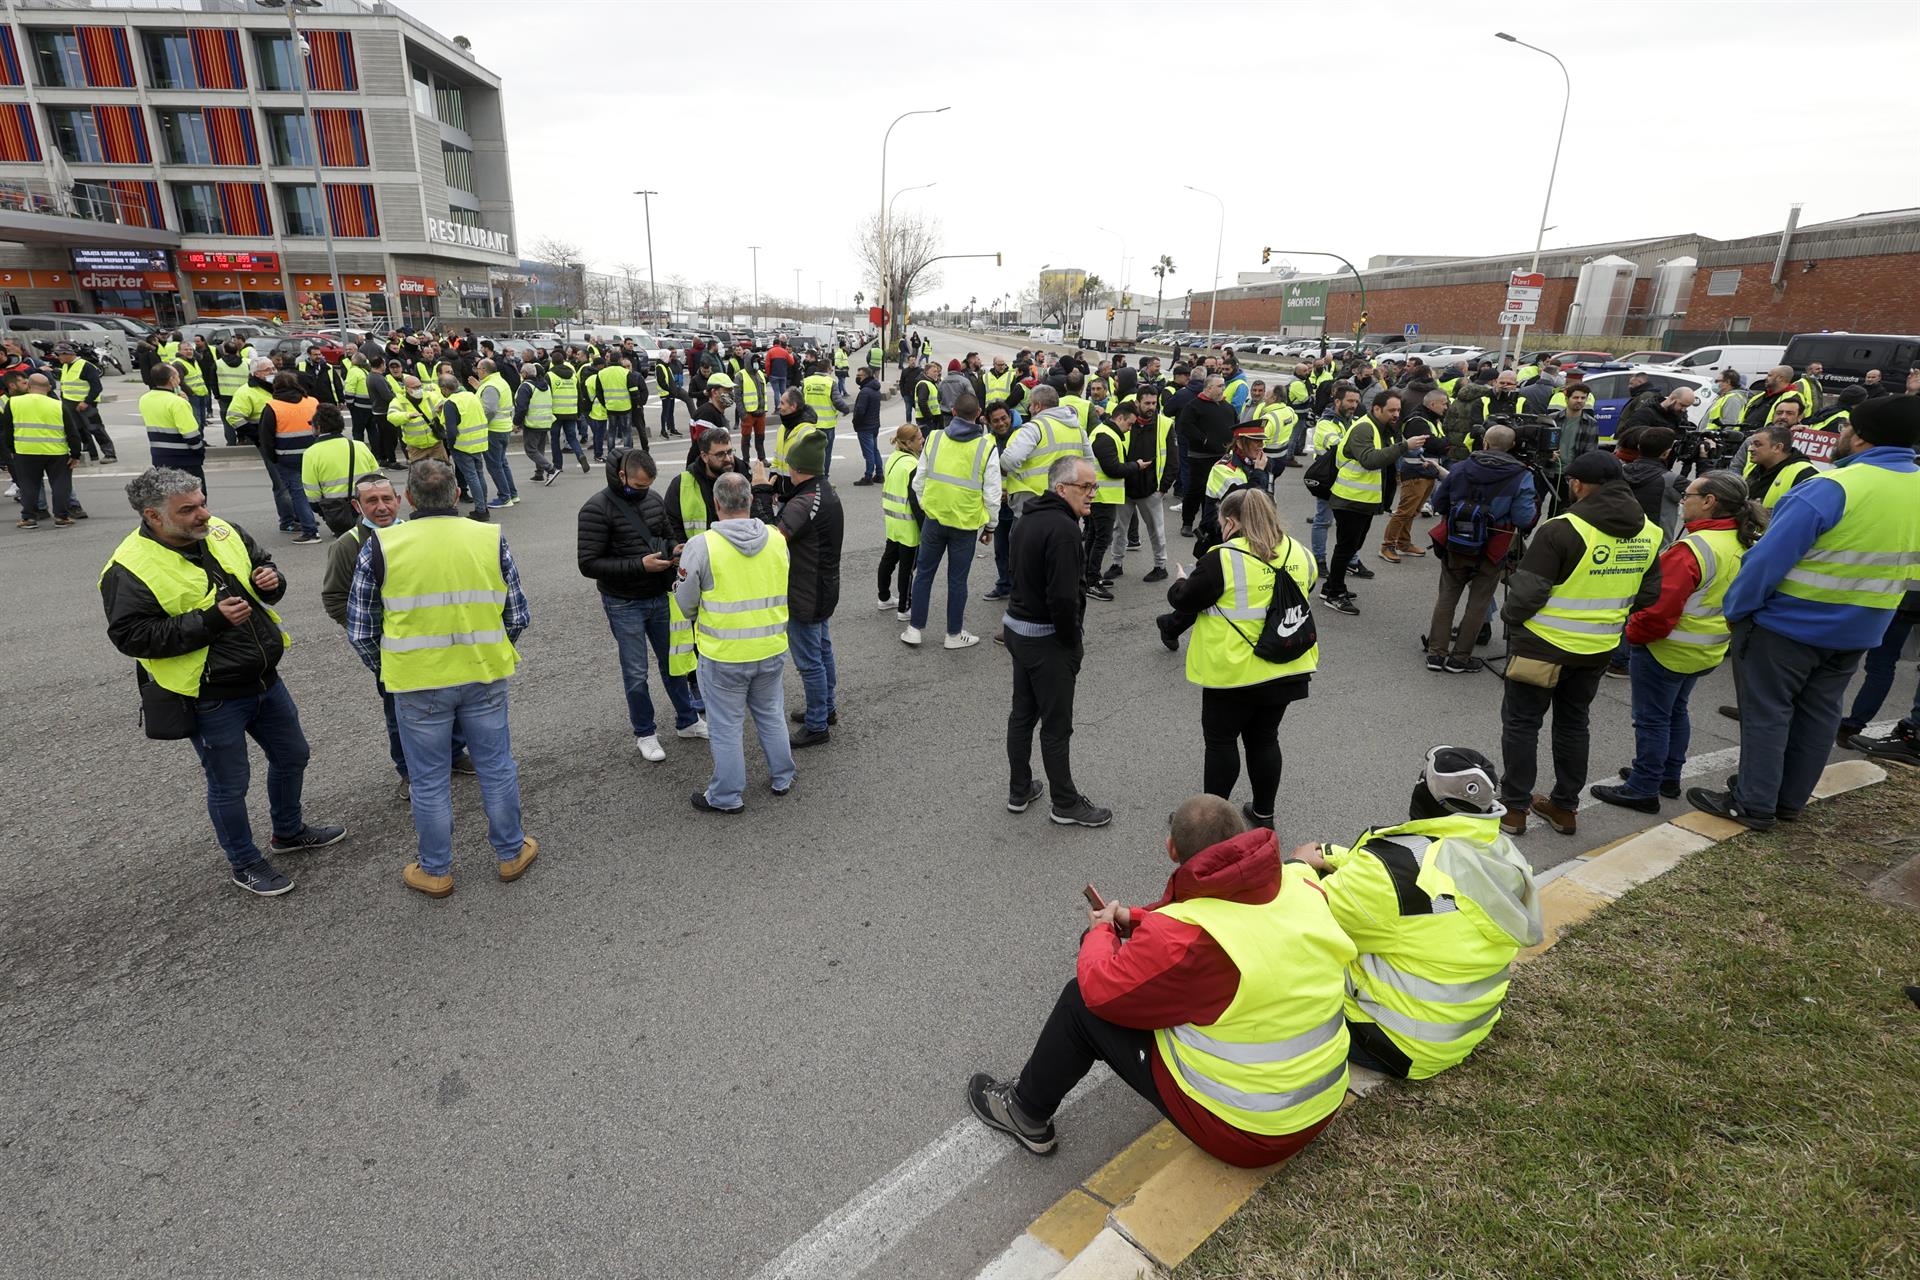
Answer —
1092 895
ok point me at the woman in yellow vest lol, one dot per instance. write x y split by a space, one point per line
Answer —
1243 696
900 507
1683 634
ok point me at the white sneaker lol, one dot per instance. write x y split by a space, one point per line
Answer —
884 604
965 640
904 615
911 636
650 748
698 729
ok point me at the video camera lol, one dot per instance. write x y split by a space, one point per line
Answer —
1536 438
1707 449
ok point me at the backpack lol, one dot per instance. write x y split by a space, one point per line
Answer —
1470 518
1287 633
1318 477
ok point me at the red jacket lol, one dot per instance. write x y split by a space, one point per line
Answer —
1169 972
1679 578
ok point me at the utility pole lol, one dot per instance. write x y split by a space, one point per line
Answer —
756 282
646 203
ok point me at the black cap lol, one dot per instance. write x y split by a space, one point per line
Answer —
1889 420
1595 467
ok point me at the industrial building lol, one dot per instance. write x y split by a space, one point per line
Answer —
1860 274
157 161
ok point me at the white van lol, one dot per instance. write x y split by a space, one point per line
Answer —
1751 363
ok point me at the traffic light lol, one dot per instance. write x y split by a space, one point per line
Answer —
1266 255
996 260
1109 313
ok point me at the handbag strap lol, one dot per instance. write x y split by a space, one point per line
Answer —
654 545
1284 563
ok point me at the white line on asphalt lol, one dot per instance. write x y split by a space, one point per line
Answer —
849 1239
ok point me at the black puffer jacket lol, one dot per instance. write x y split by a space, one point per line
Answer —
610 548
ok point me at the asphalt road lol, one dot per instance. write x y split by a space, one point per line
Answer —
681 1043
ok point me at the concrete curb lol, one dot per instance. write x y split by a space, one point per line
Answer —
1148 1208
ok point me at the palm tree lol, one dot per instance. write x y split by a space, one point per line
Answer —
1161 270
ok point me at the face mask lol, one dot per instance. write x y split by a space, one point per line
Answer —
632 492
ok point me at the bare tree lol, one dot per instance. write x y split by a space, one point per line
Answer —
913 241
571 261
632 292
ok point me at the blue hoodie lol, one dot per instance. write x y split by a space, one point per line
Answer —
1809 510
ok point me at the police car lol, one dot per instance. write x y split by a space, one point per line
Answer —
1609 394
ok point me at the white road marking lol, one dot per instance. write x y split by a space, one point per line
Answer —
849 1239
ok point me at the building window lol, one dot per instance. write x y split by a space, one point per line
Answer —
170 60
131 204
1739 324
288 135
222 208
1723 284
273 55
343 137
199 206
422 92
83 57
458 164
76 134
330 66
465 217
300 210
450 106
202 58
183 137
100 135
56 59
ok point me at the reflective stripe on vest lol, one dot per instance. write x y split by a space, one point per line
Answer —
743 616
1220 651
73 380
955 492
540 409
896 502
415 421
1868 559
471 433
1354 482
693 505
1782 483
997 385
172 432
328 472
293 424
1699 638
443 592
1057 440
682 656
1586 613
230 377
39 425
818 390
566 395
1716 412
502 416
180 586
1274 1061
752 392
784 439
1112 490
612 382
191 377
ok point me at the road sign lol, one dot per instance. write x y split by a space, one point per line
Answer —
1520 312
1524 293
1527 280
876 315
1410 331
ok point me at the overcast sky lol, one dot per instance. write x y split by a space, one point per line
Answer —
1699 116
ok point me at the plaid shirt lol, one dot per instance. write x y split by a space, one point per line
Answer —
365 615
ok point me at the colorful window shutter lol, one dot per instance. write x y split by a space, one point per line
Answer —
104 57
231 133
343 137
123 135
244 206
330 62
351 209
9 58
216 59
138 203
18 140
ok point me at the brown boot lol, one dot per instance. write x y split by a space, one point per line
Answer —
1561 820
1387 554
1408 549
1514 822
514 868
432 886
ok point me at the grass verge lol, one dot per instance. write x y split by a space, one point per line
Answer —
1718 1076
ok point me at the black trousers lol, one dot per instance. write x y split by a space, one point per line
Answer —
897 561
1248 716
1349 537
30 469
1073 1039
1098 537
1523 708
1044 674
93 434
1198 465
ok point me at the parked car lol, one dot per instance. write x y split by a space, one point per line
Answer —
114 347
1609 392
1446 353
1648 357
1751 362
218 331
1846 357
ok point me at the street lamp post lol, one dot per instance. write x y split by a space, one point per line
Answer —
646 202
1213 306
1519 332
886 284
756 282
797 303
1321 253
298 61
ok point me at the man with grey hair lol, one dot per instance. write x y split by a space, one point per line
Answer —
1042 632
733 588
190 598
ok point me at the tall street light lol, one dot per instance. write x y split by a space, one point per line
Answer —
646 202
797 304
1213 306
1566 101
902 191
886 284
756 282
298 61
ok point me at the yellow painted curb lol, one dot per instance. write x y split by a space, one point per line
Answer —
1184 1203
1127 1172
1071 1224
1636 860
1562 904
1711 825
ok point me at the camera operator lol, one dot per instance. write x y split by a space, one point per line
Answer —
1504 402
1486 501
1668 411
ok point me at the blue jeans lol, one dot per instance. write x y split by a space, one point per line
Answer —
1661 726
826 468
1322 521
812 647
777 385
395 751
497 465
221 742
199 404
599 426
473 474
297 496
620 427
1882 664
1790 697
957 545
637 624
568 431
734 691
429 720
870 454
281 503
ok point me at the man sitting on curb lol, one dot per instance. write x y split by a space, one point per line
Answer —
1439 906
1222 1008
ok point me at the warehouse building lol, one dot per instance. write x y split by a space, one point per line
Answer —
1857 274
157 162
